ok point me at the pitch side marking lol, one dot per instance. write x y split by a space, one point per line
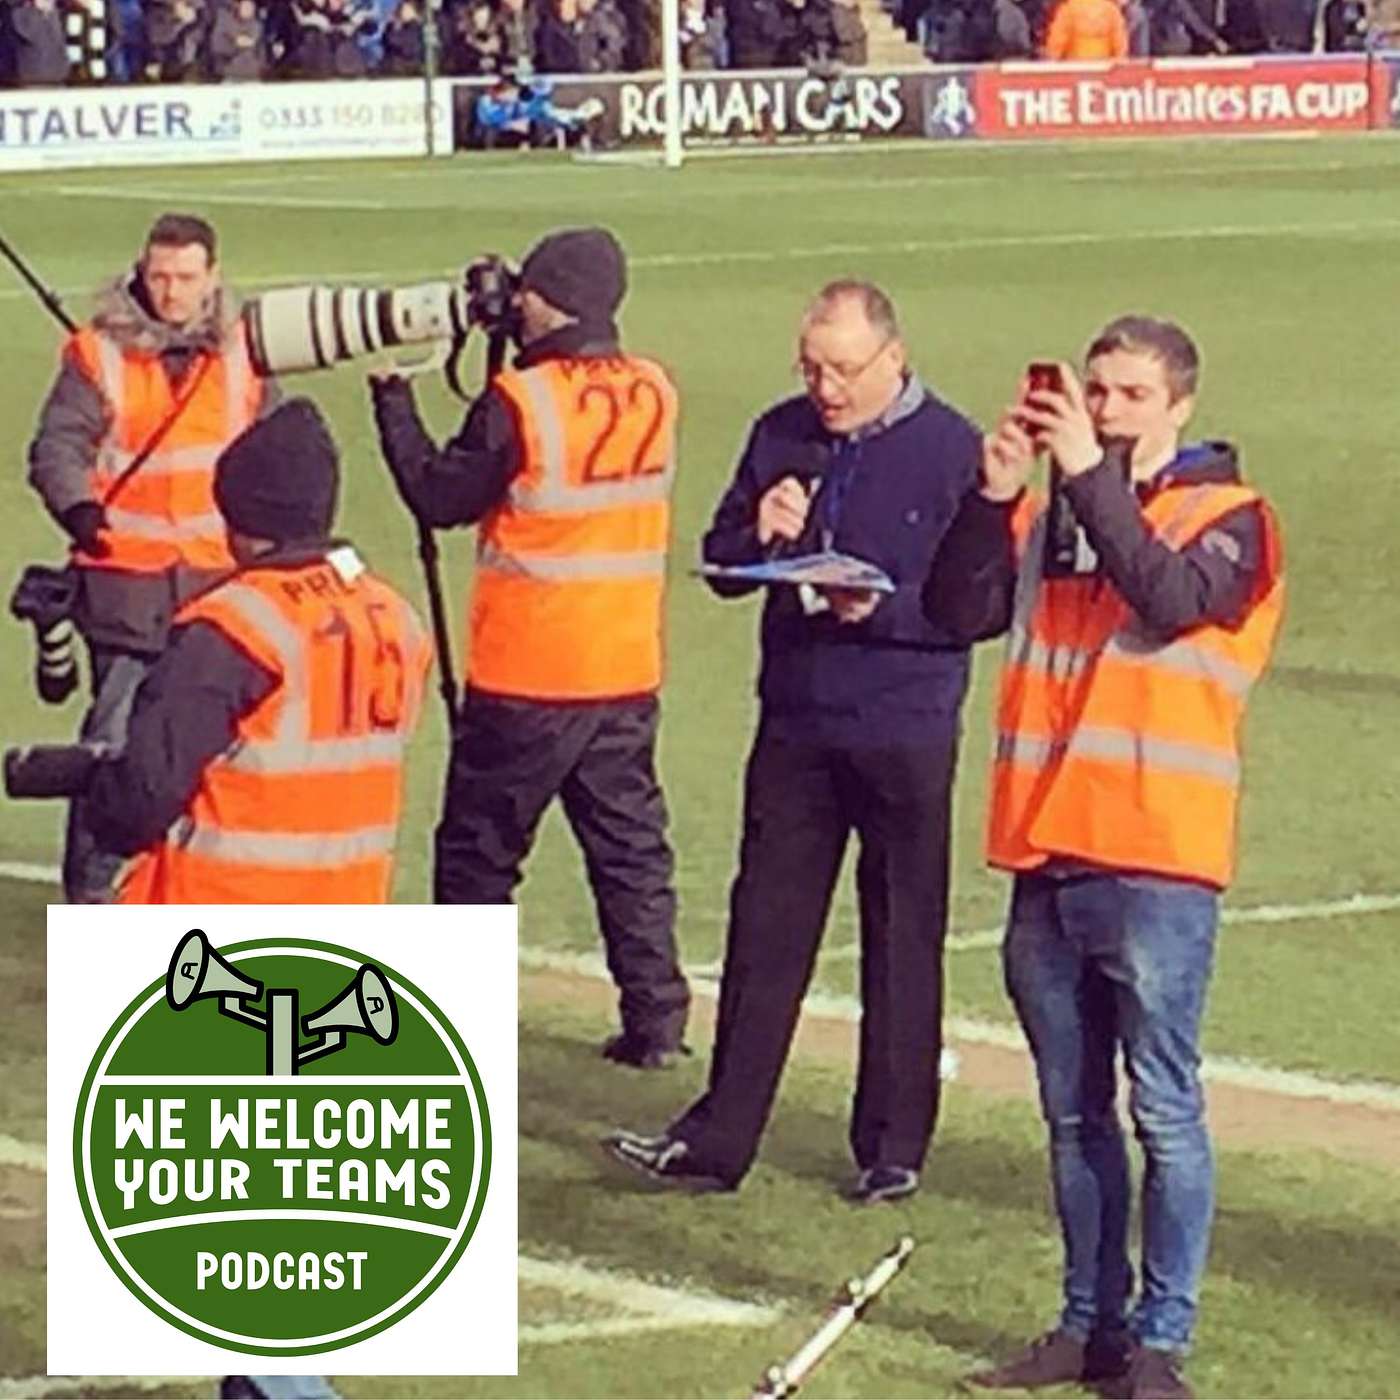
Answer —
1217 1069
1072 238
1220 1069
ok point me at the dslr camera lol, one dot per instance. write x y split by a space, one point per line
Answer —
295 329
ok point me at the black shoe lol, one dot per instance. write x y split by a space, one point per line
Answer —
1152 1374
1054 1359
624 1048
877 1184
240 1388
667 1160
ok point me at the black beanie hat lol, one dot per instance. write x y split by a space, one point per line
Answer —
580 270
279 479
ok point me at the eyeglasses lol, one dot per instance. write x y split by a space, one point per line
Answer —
843 376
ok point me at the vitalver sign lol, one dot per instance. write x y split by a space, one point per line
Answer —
44 128
1210 97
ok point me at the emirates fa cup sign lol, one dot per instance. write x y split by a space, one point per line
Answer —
285 1145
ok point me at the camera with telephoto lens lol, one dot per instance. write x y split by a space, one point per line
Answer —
295 329
52 770
46 598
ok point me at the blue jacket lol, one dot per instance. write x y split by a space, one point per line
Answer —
886 494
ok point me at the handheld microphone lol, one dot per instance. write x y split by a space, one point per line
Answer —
808 465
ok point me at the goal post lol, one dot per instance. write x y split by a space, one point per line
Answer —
673 147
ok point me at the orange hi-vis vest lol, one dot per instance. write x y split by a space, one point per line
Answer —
164 513
1114 746
571 566
304 806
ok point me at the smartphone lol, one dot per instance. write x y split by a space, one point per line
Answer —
1044 374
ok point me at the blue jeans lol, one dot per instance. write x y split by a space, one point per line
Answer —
1094 962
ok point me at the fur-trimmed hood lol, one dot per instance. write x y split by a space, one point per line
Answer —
120 314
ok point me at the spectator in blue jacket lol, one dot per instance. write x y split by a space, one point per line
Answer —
859 700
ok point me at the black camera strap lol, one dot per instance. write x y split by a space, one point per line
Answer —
195 378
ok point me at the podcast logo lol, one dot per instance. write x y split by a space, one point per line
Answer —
280 1181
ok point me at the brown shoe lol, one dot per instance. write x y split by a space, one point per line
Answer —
1152 1374
1049 1360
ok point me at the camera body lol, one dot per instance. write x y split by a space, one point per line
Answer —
491 287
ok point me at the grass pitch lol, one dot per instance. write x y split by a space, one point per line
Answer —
1279 258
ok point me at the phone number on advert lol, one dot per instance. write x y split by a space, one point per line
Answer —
343 114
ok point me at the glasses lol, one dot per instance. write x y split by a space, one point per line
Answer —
843 376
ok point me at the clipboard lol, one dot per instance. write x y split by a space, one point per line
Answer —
830 569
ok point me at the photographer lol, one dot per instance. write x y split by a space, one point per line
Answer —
1113 802
150 391
566 464
263 762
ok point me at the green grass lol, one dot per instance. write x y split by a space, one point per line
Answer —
1280 258
1299 1302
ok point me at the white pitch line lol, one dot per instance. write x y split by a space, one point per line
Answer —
1285 1083
1248 914
30 872
1222 1069
1069 239
678 1306
14 1152
38 1387
141 193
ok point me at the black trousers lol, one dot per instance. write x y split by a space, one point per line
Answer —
89 872
802 800
510 759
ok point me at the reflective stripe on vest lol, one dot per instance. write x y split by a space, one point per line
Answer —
571 566
1121 746
291 850
1114 747
163 513
304 805
552 490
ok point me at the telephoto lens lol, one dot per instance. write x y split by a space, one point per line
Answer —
294 329
56 666
51 770
46 597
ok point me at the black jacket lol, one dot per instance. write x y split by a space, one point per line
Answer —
1213 580
185 715
886 495
458 483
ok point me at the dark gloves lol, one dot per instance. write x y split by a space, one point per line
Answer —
84 522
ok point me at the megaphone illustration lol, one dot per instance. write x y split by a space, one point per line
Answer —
198 971
366 1007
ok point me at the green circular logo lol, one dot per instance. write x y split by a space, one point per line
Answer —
281 1147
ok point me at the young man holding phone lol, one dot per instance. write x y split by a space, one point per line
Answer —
1113 802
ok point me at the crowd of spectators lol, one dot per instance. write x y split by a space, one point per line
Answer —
242 40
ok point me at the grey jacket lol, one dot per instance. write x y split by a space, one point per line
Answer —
41 50
125 610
